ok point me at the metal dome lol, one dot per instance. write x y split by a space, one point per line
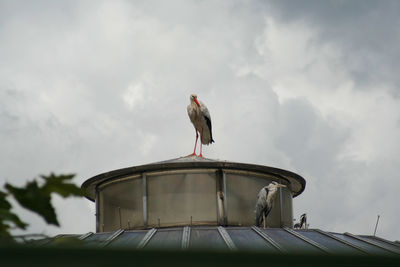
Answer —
188 191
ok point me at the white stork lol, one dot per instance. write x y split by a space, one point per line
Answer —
265 202
201 119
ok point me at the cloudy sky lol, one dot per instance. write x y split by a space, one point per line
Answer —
308 86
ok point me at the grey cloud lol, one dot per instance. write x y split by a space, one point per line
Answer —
90 87
366 32
311 142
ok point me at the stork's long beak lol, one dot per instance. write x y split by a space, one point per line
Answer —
281 185
197 102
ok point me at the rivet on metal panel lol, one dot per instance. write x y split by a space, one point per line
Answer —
147 238
185 237
268 239
311 242
226 237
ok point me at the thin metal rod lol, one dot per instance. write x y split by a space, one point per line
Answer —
97 202
280 205
392 243
225 202
309 241
371 242
185 237
144 194
220 198
147 238
112 237
84 236
227 238
340 240
376 225
268 239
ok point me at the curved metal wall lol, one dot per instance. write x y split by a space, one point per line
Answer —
200 196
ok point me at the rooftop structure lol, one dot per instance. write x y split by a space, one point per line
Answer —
189 191
198 203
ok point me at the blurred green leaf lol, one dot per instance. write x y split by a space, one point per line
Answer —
7 217
4 204
59 184
34 198
4 230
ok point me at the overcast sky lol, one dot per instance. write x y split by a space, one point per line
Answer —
308 86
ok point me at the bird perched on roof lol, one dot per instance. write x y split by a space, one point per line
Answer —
265 202
201 119
303 222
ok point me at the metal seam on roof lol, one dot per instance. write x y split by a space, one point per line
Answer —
226 237
144 198
185 237
384 241
113 236
341 240
84 236
371 243
147 238
306 239
223 232
268 239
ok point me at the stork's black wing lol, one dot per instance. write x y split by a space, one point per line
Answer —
208 120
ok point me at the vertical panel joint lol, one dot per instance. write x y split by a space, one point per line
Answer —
144 194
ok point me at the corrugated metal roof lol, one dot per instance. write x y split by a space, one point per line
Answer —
279 240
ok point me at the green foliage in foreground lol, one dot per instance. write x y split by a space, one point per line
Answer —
36 197
98 257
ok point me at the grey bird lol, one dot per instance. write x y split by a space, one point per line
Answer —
303 222
265 202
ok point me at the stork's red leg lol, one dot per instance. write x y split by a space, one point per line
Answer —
201 143
195 144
